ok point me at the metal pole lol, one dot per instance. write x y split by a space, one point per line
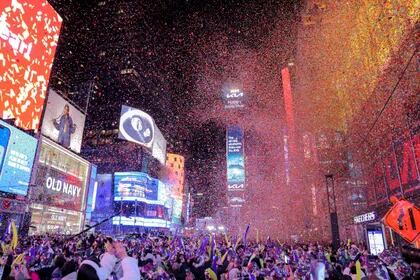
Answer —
398 169
414 154
332 208
88 97
387 188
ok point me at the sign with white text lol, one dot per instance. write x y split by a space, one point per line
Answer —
235 159
367 217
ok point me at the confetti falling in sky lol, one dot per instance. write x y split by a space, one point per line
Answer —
173 59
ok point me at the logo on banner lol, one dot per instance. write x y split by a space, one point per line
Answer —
62 186
136 126
234 187
234 99
371 216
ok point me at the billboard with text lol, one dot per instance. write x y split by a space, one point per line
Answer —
235 159
17 153
29 32
132 186
61 178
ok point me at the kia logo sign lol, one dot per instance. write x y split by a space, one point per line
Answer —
233 98
137 126
236 186
234 95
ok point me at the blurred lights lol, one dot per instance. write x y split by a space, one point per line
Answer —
210 227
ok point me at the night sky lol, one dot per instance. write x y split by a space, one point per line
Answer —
182 53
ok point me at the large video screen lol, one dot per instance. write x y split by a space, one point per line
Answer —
159 146
137 126
140 221
177 211
61 178
132 186
29 32
235 159
17 153
63 123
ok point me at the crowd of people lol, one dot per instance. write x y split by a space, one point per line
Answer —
202 256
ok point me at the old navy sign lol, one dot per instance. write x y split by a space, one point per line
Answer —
367 217
62 186
59 188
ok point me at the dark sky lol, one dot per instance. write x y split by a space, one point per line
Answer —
174 47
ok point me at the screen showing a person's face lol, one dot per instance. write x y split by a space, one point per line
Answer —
66 110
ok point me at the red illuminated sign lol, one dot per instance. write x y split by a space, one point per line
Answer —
29 33
399 167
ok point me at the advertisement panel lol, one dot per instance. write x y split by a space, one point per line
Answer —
63 123
376 241
159 146
233 98
235 159
177 211
136 126
398 171
93 185
140 221
29 32
132 186
59 189
139 127
17 153
103 198
61 178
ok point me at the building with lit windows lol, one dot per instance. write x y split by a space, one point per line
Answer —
176 179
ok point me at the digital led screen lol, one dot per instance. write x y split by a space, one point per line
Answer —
136 126
29 32
140 221
63 123
17 153
376 241
177 211
235 159
159 146
61 178
132 186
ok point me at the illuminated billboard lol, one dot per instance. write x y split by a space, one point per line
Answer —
29 32
61 178
135 186
235 159
140 221
136 126
177 211
139 127
17 153
159 146
63 123
233 98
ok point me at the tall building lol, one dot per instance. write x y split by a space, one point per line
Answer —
175 165
358 102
